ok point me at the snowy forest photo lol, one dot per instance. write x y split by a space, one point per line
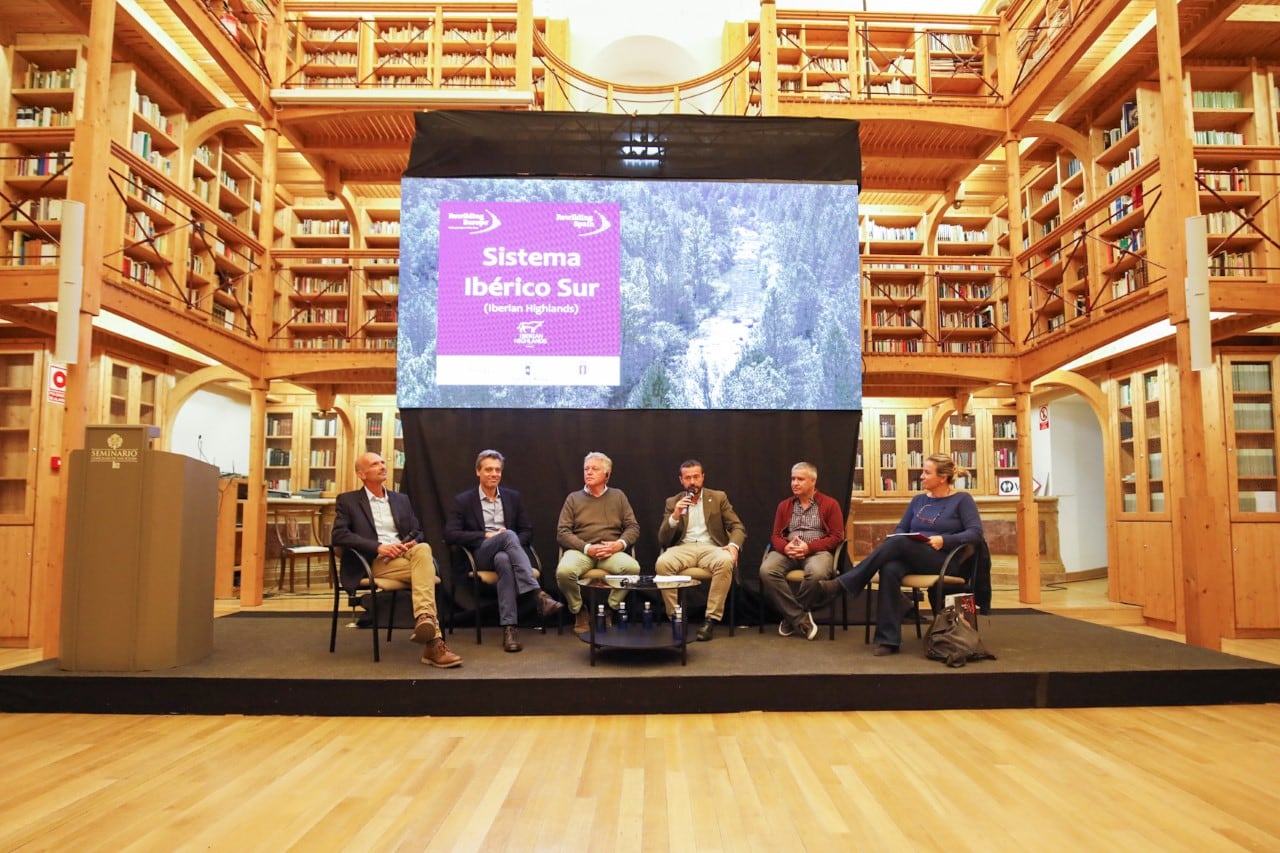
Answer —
734 295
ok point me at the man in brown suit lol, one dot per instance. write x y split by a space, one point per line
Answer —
699 528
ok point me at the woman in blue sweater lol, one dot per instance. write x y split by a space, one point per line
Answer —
938 519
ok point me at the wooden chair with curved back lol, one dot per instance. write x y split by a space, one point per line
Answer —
298 536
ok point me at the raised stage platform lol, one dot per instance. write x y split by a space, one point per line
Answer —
277 663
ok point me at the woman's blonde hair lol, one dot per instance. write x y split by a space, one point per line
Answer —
946 467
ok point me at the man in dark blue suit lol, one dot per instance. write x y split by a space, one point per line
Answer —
492 524
380 524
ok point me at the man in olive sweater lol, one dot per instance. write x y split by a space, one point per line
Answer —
597 526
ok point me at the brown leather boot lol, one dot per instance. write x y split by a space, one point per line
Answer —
437 654
510 640
582 622
425 629
547 606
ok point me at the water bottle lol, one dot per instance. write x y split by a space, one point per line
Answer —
677 625
602 621
622 616
648 616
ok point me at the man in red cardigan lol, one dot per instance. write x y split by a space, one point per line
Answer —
808 528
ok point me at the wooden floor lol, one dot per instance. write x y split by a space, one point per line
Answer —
1195 778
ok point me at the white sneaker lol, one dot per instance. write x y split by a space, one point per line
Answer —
808 627
785 629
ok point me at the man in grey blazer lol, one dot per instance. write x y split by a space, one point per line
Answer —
380 524
491 523
700 528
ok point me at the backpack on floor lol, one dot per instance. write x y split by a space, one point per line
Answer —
952 640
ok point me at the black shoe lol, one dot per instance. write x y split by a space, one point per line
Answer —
881 650
706 631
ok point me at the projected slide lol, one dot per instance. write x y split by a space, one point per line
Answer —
642 294
528 294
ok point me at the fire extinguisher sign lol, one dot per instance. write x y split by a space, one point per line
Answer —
57 392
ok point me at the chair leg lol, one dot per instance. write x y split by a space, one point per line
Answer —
731 607
373 629
475 600
831 619
391 616
916 601
333 629
866 620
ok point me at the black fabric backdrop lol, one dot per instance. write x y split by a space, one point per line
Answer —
476 143
747 454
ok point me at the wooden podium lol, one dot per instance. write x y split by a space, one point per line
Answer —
137 588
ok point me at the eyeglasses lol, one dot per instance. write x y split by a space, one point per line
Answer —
924 515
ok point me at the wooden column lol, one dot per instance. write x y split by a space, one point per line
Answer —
524 45
1202 524
768 58
253 544
1019 298
90 184
1028 512
253 541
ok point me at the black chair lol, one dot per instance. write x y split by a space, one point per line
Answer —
464 561
358 582
796 577
948 580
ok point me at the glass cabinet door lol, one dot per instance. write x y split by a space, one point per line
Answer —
1125 458
962 433
888 445
1252 412
1140 421
18 413
1004 448
323 459
859 465
279 447
1153 440
915 451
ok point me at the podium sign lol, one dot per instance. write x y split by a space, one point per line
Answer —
137 590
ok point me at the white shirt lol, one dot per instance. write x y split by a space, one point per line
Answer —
695 524
383 521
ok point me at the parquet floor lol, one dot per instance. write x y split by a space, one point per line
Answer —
1187 778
